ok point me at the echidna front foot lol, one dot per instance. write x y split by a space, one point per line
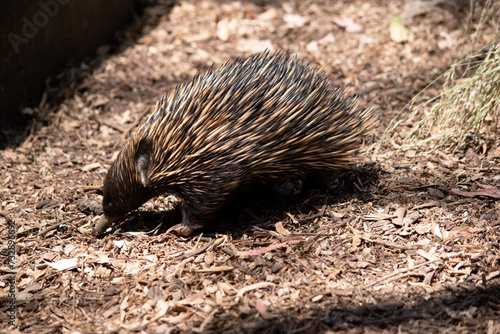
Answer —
184 230
190 222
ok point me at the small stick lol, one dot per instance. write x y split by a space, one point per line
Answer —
112 125
91 188
195 252
54 226
442 257
317 215
387 244
133 125
228 251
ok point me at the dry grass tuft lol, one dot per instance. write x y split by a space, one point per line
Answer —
465 106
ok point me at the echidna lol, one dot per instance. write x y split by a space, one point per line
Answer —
267 117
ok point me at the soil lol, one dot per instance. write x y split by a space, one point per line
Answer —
406 242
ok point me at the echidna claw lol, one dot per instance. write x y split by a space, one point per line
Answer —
183 229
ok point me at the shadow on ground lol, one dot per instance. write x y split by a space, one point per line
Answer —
450 307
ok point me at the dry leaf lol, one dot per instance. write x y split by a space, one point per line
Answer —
414 8
317 298
123 307
254 45
411 218
426 255
280 229
435 193
195 299
162 307
292 217
179 319
122 244
225 287
97 100
65 264
223 29
255 286
400 214
492 275
428 277
110 311
9 155
436 231
328 39
398 31
489 191
269 14
262 309
356 241
422 228
209 258
347 23
295 20
341 292
90 167
379 216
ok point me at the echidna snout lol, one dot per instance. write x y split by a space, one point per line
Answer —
103 223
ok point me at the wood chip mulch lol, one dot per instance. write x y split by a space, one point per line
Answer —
408 244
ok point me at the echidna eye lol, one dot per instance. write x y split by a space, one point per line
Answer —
107 206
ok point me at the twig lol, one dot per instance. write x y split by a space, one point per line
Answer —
317 215
133 125
151 89
442 257
195 252
112 125
260 251
130 258
387 244
91 188
229 251
54 226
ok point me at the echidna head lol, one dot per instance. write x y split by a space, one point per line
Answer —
126 184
